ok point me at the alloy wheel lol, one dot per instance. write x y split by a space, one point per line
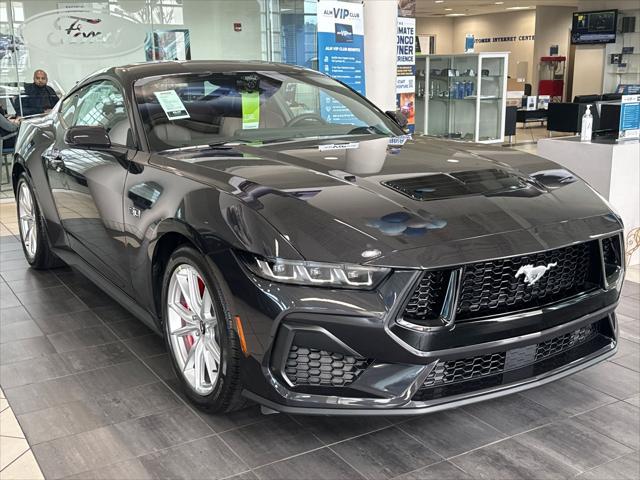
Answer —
27 218
192 329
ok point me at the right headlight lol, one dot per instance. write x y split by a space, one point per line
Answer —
301 272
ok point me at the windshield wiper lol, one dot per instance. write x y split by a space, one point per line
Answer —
371 129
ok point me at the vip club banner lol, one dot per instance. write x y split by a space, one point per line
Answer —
406 69
341 51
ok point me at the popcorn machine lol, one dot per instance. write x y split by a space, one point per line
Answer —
551 77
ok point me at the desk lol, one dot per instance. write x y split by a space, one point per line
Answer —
525 116
611 168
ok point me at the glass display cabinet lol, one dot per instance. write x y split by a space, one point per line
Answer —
462 97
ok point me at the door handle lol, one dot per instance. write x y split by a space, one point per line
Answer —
54 160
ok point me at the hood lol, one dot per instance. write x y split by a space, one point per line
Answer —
341 199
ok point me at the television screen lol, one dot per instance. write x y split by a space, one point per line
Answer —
594 27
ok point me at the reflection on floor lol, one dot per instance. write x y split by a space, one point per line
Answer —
93 392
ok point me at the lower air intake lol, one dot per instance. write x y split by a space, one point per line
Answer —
311 366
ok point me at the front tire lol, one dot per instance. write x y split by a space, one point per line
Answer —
204 347
33 235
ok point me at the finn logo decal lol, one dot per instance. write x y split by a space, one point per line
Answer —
533 274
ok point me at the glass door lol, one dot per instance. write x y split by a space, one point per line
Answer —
490 122
438 92
462 95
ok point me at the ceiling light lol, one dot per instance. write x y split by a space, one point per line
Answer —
499 3
455 14
448 9
518 8
439 1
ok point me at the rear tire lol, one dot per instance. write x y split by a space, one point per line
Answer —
203 345
33 235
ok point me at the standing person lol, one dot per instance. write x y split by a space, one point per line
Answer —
39 97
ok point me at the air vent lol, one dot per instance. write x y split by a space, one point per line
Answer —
458 184
612 256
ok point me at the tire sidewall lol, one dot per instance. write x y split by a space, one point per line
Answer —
189 256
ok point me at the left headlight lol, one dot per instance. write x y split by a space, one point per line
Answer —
313 273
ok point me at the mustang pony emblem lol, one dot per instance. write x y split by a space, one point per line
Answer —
533 274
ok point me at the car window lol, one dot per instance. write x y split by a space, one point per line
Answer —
68 109
101 104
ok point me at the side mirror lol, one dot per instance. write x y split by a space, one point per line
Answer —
398 117
87 137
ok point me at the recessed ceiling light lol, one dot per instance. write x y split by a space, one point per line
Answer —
439 1
499 3
455 14
448 9
519 8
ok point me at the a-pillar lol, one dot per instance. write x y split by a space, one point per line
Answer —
380 36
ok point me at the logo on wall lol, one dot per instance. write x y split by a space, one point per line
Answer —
83 33
344 33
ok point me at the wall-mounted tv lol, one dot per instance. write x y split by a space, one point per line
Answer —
594 27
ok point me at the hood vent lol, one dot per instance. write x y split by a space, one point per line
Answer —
457 184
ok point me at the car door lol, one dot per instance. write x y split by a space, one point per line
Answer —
87 184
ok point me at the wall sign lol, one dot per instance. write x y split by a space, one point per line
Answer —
406 69
83 33
629 117
514 38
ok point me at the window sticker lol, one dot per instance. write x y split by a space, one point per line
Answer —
250 110
337 146
172 104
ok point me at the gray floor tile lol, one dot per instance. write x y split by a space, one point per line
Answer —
137 402
513 414
610 378
385 454
512 460
15 264
19 331
161 430
439 471
635 400
13 315
37 396
127 470
573 443
68 321
116 377
269 441
44 295
205 458
249 475
130 329
629 328
29 279
113 314
631 361
55 307
161 366
620 421
625 468
91 295
21 350
223 422
7 298
631 289
61 421
147 345
100 356
626 347
335 429
81 338
629 307
568 397
32 371
451 432
85 451
320 465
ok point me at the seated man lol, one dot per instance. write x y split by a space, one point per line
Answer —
38 96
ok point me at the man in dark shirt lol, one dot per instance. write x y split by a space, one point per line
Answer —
39 97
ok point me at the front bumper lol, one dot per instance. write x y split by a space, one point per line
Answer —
395 363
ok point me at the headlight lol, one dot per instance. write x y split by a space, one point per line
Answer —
312 273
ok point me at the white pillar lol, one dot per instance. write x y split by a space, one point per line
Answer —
380 36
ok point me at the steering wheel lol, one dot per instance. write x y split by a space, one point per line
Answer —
305 117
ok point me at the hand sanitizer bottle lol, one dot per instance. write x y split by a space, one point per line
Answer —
587 125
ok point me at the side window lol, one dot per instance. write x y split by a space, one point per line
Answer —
68 109
101 104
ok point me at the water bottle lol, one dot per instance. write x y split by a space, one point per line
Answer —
587 125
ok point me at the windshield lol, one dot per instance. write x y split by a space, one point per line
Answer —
260 106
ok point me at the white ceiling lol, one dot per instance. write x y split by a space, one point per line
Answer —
429 8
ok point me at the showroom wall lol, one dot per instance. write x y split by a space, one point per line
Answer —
441 27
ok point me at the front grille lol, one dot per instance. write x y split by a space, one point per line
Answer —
564 342
427 299
465 369
311 366
474 368
490 288
611 255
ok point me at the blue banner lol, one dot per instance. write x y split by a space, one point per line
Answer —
341 52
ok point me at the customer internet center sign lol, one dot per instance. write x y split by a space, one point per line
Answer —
83 33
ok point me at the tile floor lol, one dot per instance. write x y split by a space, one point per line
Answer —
92 390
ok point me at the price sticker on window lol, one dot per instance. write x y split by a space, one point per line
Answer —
172 105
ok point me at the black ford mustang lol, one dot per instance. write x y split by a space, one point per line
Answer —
295 248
